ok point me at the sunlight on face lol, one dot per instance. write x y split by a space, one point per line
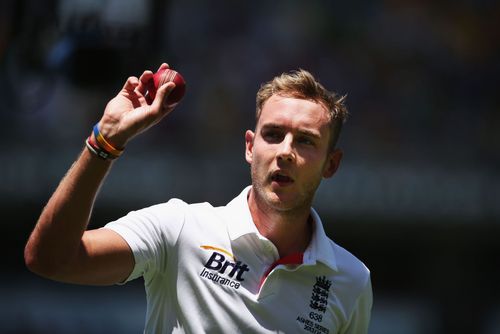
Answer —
289 153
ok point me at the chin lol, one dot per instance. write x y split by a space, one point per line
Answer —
282 202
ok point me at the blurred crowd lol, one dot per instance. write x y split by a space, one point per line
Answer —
420 75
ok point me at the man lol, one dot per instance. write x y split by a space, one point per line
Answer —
261 264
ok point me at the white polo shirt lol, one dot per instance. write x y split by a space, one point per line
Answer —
208 270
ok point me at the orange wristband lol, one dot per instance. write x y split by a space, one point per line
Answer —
104 144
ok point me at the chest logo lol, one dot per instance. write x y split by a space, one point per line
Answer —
318 305
319 297
222 268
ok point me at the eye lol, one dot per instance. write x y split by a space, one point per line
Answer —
272 135
305 140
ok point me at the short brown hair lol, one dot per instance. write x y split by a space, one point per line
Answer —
302 84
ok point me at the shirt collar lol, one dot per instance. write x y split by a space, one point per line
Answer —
240 220
320 248
240 223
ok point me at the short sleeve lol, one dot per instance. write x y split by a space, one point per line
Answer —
150 233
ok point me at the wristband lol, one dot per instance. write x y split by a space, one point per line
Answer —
104 144
95 149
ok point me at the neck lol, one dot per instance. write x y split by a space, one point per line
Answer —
290 231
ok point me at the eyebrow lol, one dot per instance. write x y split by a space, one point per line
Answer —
304 132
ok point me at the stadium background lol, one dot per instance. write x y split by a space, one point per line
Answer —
417 195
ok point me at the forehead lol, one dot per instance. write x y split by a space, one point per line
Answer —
293 112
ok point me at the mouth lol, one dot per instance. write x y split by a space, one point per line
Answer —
281 178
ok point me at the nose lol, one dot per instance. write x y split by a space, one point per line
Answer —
285 150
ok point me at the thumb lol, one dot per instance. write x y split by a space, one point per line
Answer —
160 101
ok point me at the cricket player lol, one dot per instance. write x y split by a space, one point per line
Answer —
260 264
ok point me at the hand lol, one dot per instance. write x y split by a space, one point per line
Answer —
129 113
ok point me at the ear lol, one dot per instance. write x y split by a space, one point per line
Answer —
249 137
332 163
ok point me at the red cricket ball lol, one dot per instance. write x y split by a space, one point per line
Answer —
162 77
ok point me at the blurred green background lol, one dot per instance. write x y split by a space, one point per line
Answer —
416 197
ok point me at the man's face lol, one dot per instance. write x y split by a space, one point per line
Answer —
289 152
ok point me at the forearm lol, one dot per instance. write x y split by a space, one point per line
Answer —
57 236
59 247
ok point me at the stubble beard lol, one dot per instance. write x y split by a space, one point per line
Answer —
270 200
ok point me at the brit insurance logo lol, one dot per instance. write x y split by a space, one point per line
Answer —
222 268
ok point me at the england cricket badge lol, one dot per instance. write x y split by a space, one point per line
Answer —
319 297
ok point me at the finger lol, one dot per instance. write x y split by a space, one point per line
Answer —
163 66
145 82
131 83
160 101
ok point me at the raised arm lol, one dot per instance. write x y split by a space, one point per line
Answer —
60 247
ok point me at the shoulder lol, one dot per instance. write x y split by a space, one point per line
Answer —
176 211
352 288
199 216
351 267
173 208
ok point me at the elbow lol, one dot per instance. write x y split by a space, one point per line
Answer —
32 260
37 263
